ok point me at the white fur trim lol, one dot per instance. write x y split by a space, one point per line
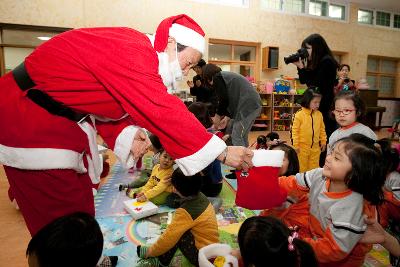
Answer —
187 36
272 158
196 162
95 165
41 158
123 146
101 149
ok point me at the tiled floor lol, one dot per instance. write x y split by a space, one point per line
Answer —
14 236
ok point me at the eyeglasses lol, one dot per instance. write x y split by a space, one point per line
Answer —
344 111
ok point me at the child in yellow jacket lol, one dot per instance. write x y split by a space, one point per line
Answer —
157 187
308 131
193 226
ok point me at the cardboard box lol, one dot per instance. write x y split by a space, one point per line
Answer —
140 210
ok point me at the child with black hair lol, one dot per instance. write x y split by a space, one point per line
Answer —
389 211
72 240
308 131
265 141
291 164
193 226
158 186
349 110
331 215
266 241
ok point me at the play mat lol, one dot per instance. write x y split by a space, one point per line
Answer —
122 234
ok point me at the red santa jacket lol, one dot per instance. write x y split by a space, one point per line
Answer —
111 73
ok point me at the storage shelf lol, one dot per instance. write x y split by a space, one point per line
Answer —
270 110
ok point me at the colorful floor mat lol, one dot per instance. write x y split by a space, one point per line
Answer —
122 234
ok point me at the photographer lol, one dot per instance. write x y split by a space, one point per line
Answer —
317 68
343 82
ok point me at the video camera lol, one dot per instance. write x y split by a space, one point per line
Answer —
301 53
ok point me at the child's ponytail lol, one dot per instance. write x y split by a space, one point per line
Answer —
267 239
305 253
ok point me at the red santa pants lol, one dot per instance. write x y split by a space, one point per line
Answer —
45 195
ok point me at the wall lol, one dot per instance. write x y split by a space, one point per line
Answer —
245 24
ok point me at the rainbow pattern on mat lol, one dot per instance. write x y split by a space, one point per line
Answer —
133 235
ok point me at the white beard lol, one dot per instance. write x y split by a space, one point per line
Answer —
170 72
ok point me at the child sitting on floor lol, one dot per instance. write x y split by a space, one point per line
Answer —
158 187
331 215
193 226
266 241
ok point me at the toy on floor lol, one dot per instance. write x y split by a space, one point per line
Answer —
140 210
217 255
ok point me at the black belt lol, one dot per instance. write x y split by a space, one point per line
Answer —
42 99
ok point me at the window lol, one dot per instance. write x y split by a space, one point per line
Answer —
272 4
396 21
18 41
238 3
382 74
318 8
296 6
337 12
235 56
378 17
365 16
321 8
383 18
338 56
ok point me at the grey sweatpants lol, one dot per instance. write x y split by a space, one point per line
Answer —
239 129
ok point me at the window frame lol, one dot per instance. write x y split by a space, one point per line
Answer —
9 26
245 3
263 4
378 74
374 17
255 64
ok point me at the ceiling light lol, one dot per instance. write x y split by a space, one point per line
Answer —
44 38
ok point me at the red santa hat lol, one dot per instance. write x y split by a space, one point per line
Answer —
185 31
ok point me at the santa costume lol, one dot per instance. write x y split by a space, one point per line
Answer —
103 81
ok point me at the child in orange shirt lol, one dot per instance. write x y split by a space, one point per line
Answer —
331 216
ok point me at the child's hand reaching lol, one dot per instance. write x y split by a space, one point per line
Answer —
323 148
167 180
141 197
190 84
375 234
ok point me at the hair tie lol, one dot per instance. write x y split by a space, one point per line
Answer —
290 240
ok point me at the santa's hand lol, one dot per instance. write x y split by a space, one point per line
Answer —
238 157
140 145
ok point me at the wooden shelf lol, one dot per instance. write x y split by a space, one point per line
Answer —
270 110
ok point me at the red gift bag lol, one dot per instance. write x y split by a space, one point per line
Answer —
259 187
